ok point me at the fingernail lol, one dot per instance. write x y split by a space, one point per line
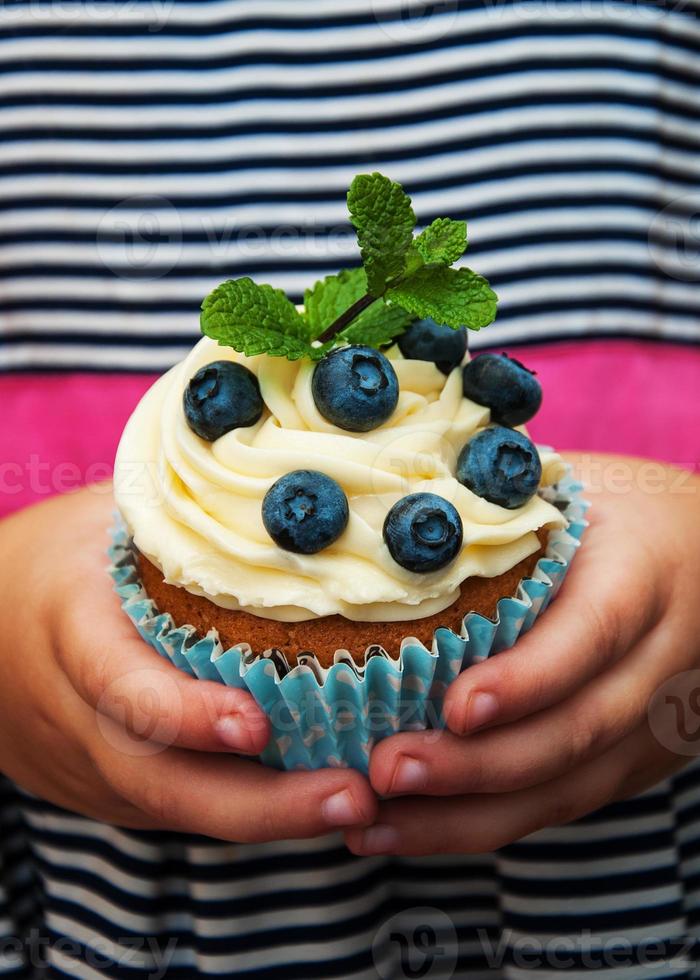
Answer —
233 731
380 839
482 707
410 775
340 810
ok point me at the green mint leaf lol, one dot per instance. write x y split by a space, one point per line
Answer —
377 326
332 296
256 320
382 215
453 297
414 262
402 278
241 302
442 242
264 340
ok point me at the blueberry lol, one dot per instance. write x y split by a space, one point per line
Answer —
222 396
423 532
428 341
305 511
501 465
355 388
504 385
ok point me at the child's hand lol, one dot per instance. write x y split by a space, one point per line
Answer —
92 719
561 719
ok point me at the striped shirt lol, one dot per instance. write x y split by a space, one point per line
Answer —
151 149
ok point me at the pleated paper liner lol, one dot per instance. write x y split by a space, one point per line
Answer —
332 716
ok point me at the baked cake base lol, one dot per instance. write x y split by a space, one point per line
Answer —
324 636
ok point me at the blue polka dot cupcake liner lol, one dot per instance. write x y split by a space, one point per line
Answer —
333 716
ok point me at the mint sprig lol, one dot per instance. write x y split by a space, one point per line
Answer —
384 220
443 242
453 297
331 297
402 277
256 319
377 325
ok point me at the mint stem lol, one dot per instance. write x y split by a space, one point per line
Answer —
345 318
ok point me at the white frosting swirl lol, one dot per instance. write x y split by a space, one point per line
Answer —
194 508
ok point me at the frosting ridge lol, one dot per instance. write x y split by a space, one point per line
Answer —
194 508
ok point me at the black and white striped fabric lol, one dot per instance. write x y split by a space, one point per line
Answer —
151 148
618 893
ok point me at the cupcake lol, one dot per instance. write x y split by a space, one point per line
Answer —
337 527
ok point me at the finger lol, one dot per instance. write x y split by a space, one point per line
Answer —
588 627
237 799
483 823
55 766
530 751
122 678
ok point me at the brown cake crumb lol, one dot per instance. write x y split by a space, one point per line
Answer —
324 636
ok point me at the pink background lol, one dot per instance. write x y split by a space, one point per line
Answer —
641 398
